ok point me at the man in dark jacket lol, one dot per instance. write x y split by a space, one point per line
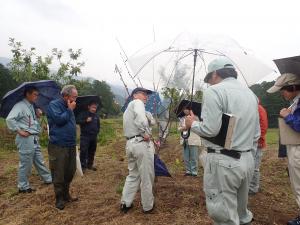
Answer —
62 144
89 129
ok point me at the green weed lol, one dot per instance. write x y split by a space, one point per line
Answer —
10 192
10 169
120 187
272 136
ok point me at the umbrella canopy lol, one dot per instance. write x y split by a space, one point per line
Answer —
48 91
195 106
82 103
152 104
173 63
160 167
288 65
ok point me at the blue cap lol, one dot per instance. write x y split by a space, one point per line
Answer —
140 89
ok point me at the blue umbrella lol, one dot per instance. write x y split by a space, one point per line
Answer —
160 167
48 91
152 104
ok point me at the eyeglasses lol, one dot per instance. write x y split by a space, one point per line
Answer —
141 92
74 96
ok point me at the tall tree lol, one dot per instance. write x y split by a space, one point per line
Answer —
6 81
101 89
272 102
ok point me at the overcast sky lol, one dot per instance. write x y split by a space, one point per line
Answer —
269 28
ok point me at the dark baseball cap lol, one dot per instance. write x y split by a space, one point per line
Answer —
140 89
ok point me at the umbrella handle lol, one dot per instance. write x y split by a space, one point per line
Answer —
187 135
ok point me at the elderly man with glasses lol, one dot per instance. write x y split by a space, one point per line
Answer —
62 144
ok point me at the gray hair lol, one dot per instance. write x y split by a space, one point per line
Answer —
67 90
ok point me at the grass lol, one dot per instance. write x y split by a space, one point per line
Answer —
2 122
10 169
176 166
120 187
272 136
10 192
110 131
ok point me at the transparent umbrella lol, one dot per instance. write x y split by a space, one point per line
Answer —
182 62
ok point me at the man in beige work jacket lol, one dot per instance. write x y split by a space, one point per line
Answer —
140 153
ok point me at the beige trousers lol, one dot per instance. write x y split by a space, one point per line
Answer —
293 152
141 175
226 187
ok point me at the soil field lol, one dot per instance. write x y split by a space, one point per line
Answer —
179 200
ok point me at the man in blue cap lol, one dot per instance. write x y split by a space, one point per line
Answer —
228 172
139 151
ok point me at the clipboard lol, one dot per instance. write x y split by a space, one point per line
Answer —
225 135
286 134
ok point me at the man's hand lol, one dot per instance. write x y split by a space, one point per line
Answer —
71 105
38 113
23 133
182 128
189 120
285 112
89 119
146 138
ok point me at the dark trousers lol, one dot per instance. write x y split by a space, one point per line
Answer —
88 145
62 163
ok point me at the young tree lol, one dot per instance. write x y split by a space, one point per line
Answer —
67 70
22 66
26 65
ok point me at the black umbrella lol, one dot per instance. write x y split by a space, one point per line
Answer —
82 103
288 65
194 106
48 91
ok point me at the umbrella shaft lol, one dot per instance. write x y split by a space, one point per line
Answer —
195 61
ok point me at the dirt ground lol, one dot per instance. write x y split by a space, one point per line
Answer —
179 200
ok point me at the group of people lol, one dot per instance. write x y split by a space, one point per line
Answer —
24 120
230 175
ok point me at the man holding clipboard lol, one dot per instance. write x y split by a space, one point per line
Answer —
227 172
289 125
